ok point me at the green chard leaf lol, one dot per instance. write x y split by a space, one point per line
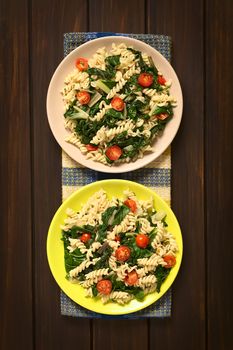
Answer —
102 233
94 291
70 111
110 83
122 211
134 109
158 128
164 109
107 215
87 130
113 60
136 252
100 73
73 259
111 117
103 262
161 274
114 215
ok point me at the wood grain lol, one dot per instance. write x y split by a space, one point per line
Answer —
15 179
120 334
219 172
48 23
181 23
31 47
116 16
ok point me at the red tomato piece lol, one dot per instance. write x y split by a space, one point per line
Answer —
162 116
131 204
145 79
113 152
142 240
117 238
117 103
91 147
104 287
161 80
123 253
170 260
81 63
132 278
85 237
83 97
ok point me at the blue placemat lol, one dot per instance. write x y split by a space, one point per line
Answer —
157 175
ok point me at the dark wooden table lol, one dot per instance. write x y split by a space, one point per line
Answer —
31 46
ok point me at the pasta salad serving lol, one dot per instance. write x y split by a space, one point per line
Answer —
118 249
116 103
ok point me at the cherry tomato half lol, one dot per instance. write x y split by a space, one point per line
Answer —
83 97
113 152
123 253
161 80
142 240
170 260
81 63
162 116
145 79
85 237
91 147
131 204
117 103
104 287
131 278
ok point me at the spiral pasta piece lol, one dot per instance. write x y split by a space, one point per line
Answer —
88 292
98 59
112 262
154 260
74 140
128 224
150 289
118 49
131 71
94 247
101 113
128 126
76 243
145 58
121 83
149 92
120 297
90 212
70 125
160 230
97 157
97 273
146 281
145 226
74 272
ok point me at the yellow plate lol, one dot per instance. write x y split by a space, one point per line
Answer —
55 250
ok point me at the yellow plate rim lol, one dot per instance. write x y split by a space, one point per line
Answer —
70 289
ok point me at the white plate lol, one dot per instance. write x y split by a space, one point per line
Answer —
55 107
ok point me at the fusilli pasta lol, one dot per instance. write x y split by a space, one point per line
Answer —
112 258
118 95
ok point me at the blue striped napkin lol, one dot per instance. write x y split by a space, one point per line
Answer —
156 175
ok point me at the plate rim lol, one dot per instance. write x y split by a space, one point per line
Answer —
131 166
57 279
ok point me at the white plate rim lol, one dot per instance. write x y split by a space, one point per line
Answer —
57 125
